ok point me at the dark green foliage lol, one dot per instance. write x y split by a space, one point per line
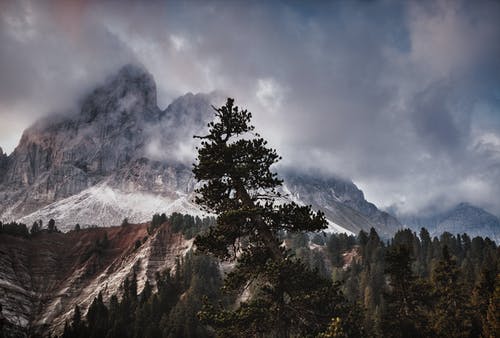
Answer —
188 225
451 315
408 298
78 328
168 312
481 294
51 226
34 229
417 264
156 222
98 316
288 297
14 229
337 245
390 296
306 310
98 248
491 326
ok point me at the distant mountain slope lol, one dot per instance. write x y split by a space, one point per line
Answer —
121 156
463 218
102 205
341 201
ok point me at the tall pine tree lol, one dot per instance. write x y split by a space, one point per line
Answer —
234 164
407 299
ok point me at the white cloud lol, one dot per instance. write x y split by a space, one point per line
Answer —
178 42
270 94
381 92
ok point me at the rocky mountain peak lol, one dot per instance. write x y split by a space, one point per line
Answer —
467 211
119 138
188 111
130 92
341 200
88 166
463 218
464 206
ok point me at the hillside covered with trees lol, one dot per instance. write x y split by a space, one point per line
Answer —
411 286
285 281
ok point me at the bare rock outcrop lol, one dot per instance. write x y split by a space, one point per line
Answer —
43 278
119 136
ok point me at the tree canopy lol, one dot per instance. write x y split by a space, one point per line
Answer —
238 184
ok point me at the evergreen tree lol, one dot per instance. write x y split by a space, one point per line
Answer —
234 165
426 252
481 295
402 308
77 328
451 316
51 225
97 318
407 299
492 325
34 228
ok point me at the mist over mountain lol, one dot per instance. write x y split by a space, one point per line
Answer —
114 140
463 218
341 200
121 156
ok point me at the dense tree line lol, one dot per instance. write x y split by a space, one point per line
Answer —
166 309
21 230
290 283
188 225
410 286
415 285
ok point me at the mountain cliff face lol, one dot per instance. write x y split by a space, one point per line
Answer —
108 141
3 164
463 218
121 156
342 202
43 278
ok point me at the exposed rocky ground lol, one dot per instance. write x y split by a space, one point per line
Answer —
44 277
112 140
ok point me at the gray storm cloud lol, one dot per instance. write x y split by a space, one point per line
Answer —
402 97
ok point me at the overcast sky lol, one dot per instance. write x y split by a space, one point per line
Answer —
402 97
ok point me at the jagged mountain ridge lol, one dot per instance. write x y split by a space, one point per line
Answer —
121 145
107 141
341 201
463 218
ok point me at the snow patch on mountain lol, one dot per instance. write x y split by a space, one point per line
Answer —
288 196
334 228
102 205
